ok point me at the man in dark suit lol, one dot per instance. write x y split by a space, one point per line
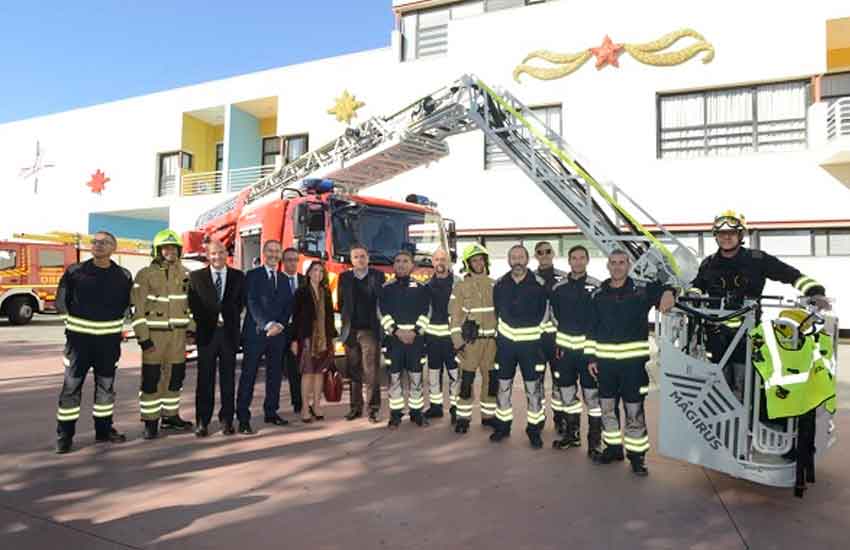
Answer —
216 299
269 302
293 280
358 293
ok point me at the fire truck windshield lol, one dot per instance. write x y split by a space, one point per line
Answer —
385 231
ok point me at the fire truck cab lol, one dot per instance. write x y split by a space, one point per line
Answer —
29 276
322 223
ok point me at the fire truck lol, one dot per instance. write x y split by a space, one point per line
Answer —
702 421
31 266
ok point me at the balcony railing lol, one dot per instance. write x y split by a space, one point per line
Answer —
239 178
210 183
838 119
201 183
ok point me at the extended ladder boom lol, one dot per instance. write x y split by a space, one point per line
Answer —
382 148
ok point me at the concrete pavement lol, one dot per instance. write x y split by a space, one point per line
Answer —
354 485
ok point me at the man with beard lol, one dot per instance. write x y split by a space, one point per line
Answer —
438 342
520 301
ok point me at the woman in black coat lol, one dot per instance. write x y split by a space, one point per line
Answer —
314 332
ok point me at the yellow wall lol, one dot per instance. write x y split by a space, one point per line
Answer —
838 44
199 138
268 126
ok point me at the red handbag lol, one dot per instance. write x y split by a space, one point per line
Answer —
332 384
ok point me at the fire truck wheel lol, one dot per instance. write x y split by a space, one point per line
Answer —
20 310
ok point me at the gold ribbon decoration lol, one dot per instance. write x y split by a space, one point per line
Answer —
648 53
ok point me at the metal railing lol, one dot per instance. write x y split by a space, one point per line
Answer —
239 178
838 119
201 183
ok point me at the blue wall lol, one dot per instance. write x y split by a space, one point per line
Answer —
243 139
128 228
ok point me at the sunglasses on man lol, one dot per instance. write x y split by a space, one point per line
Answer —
544 252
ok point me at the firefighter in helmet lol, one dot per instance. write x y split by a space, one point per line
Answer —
736 273
163 323
472 321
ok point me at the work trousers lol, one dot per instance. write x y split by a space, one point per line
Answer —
570 368
532 363
410 358
441 356
478 356
83 352
626 380
163 372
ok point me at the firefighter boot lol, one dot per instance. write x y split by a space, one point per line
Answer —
453 414
151 429
560 421
638 464
63 444
417 418
395 420
534 437
571 435
462 426
434 411
612 453
176 423
490 422
594 437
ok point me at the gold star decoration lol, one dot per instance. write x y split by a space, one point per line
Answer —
346 107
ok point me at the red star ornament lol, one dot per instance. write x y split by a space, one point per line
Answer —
607 53
97 182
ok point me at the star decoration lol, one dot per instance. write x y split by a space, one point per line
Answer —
607 53
97 182
346 107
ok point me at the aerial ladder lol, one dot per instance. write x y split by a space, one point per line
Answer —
702 421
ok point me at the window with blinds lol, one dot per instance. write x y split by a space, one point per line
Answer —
767 117
548 115
425 33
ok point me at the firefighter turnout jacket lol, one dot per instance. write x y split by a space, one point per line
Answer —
744 275
160 304
620 326
94 300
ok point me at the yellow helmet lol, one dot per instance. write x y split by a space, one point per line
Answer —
794 325
729 220
473 250
164 237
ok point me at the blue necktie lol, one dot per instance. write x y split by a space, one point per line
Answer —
219 288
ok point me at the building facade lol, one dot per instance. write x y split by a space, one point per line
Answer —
763 128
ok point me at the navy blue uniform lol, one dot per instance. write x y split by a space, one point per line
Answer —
521 309
404 305
619 344
438 344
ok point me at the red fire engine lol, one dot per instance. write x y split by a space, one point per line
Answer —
322 222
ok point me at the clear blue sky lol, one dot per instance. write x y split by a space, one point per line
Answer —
56 56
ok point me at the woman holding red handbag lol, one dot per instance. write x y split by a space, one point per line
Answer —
314 333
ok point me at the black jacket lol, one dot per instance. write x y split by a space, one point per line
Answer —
205 308
571 305
345 299
304 315
744 275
